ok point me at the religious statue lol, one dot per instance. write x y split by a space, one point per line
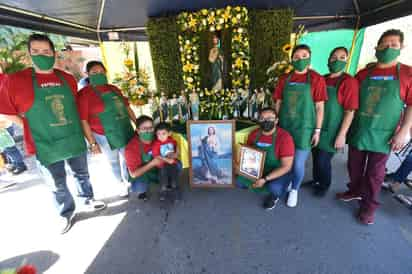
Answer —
154 108
183 109
174 109
217 65
253 108
164 109
260 99
194 105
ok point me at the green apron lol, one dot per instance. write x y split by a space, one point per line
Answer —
150 176
54 123
378 116
115 119
271 163
175 111
332 119
297 112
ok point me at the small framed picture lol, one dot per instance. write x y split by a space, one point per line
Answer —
251 162
211 153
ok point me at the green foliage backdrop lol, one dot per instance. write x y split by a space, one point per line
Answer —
164 47
269 31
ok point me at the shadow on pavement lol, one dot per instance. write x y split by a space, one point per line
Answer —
42 260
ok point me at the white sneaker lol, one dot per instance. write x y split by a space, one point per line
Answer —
92 205
124 190
292 198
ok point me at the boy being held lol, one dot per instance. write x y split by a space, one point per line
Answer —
166 147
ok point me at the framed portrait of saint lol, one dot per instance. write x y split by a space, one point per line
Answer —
211 153
251 162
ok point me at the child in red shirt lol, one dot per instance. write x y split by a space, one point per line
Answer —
166 147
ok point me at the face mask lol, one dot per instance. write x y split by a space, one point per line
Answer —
387 55
146 136
337 66
267 125
301 64
43 62
98 79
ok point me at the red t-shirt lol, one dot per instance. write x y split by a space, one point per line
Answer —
348 92
17 95
163 148
90 105
405 75
133 155
318 85
284 146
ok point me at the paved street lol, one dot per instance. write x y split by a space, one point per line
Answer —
209 231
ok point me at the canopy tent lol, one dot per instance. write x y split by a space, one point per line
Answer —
94 19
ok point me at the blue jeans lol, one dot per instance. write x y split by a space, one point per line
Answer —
13 154
403 171
322 167
279 186
298 169
115 157
55 175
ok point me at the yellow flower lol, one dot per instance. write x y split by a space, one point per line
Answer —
226 15
234 20
192 23
236 82
239 63
211 19
133 82
287 48
237 38
204 11
237 8
128 62
190 79
188 67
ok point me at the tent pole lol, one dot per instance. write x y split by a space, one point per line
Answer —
355 34
102 49
46 18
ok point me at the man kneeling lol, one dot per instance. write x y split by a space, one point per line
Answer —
279 147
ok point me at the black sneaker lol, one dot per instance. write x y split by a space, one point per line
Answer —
143 196
19 170
320 191
310 183
270 202
67 223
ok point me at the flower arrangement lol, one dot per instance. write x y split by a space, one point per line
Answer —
214 20
216 104
284 66
134 82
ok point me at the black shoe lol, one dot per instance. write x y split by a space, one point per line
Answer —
311 183
162 195
270 202
143 196
67 223
18 170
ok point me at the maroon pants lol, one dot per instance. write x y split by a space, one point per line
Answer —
366 173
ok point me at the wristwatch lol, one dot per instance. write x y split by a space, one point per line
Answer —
317 130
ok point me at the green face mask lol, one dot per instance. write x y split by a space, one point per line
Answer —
146 136
43 62
301 64
387 55
98 79
336 66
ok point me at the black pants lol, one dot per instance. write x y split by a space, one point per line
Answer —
168 175
322 167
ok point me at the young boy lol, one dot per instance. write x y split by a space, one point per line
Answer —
165 147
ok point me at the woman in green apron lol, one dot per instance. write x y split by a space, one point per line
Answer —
279 148
141 165
300 97
377 128
106 121
343 100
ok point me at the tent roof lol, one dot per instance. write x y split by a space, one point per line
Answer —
81 18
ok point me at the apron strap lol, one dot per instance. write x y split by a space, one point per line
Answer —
141 148
58 74
340 80
307 77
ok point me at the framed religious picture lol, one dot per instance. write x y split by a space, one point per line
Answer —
251 162
211 151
